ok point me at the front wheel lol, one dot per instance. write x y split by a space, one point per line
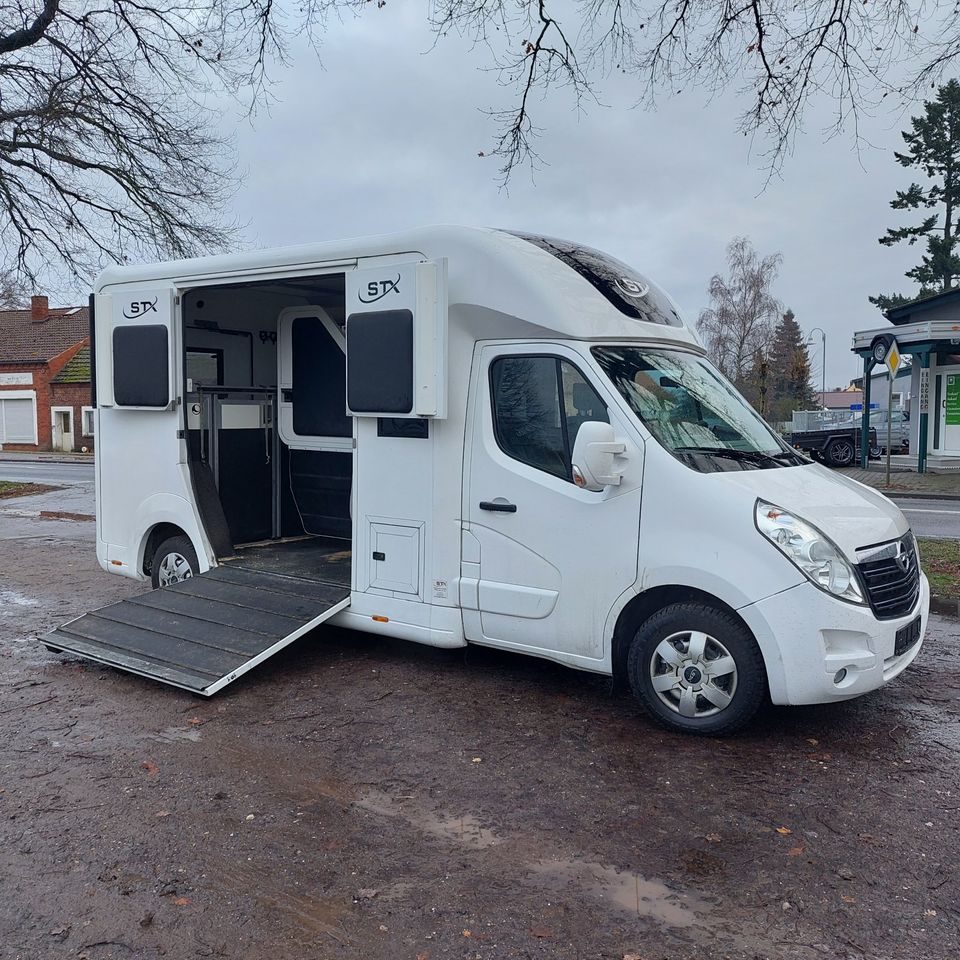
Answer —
174 560
697 669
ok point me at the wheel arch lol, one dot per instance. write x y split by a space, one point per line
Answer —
644 605
152 539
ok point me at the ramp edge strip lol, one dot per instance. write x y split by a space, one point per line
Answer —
279 645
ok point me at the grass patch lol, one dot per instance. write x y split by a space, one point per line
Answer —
940 560
10 488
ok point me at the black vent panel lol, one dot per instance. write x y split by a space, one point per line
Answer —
893 583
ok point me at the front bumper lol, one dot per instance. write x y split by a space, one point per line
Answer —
807 636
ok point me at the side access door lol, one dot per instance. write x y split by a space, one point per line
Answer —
543 560
137 392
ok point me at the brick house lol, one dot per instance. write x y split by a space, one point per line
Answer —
45 378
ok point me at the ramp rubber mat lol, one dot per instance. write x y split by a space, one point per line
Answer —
203 633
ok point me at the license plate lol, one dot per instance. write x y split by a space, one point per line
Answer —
906 637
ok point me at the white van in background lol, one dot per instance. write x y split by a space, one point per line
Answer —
463 436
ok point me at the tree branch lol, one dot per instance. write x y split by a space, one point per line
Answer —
29 35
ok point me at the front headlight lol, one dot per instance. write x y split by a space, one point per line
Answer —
818 558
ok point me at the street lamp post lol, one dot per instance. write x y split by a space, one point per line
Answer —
823 364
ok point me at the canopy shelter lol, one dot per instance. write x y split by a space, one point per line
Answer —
929 331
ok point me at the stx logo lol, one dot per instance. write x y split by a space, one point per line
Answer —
378 289
139 308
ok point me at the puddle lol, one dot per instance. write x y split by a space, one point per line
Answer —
172 734
312 914
571 879
466 829
619 888
16 599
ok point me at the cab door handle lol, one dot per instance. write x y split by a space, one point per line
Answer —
498 506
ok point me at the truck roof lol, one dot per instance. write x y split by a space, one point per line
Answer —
562 288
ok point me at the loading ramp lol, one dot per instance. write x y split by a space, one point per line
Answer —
205 632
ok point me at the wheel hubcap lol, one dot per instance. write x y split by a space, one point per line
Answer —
173 568
843 452
693 674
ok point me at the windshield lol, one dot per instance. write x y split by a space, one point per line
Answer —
692 410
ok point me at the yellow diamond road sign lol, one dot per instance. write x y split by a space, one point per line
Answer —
893 359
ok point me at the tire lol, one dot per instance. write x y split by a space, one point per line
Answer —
174 560
840 452
876 451
719 703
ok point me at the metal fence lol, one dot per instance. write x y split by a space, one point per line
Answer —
824 419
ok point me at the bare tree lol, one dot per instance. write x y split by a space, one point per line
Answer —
108 149
14 292
108 140
738 326
777 54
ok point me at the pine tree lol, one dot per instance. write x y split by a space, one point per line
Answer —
933 146
789 376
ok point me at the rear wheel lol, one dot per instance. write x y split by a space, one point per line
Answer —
175 560
840 452
697 669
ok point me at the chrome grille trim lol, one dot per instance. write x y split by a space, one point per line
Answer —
891 575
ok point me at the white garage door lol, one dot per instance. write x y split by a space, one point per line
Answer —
18 419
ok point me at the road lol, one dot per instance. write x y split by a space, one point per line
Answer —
932 518
27 471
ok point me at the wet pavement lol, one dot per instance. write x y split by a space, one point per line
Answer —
76 500
45 471
366 799
932 518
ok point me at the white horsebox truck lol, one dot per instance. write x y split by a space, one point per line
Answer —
463 436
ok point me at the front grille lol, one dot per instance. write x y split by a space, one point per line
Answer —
893 582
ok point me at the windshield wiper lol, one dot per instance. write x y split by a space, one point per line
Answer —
731 453
788 456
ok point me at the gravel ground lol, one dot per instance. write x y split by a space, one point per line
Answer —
366 799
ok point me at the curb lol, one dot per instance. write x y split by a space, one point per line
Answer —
30 458
919 495
47 515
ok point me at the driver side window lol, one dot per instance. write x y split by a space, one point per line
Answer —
539 403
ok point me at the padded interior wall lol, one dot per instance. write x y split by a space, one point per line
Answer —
245 485
320 486
319 382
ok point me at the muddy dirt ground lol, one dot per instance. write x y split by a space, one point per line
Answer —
355 798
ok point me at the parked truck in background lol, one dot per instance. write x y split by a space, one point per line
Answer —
829 436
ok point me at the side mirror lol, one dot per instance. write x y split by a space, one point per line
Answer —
593 453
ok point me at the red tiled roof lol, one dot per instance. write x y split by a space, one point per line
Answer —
839 399
24 339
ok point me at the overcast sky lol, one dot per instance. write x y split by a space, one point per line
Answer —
384 135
